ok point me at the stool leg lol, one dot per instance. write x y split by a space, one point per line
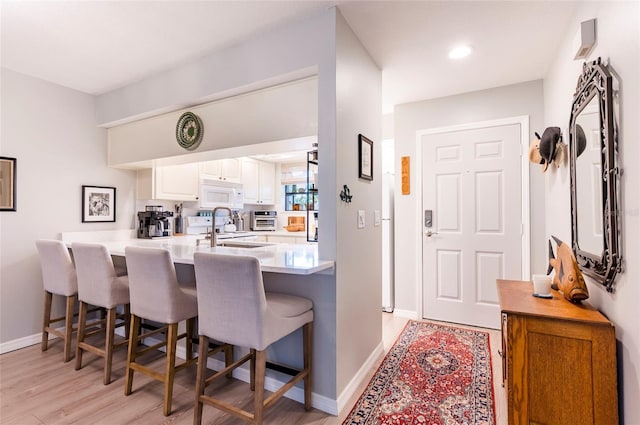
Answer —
103 317
191 324
82 324
68 328
252 370
258 401
228 359
172 336
108 344
127 320
131 352
203 348
307 349
48 297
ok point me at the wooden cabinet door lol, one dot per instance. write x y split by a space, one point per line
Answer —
560 359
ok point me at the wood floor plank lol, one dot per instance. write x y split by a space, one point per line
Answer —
37 388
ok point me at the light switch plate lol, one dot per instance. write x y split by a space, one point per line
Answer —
361 221
376 218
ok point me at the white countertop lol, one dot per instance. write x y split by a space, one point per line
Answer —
277 258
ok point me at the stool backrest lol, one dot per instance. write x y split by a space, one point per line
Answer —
58 272
231 298
153 285
96 273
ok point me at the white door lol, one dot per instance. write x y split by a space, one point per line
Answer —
471 181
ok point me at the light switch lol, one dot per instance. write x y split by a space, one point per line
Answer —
376 218
360 219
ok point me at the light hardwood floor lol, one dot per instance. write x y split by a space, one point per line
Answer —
38 388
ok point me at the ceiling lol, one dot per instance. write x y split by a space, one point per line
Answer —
98 46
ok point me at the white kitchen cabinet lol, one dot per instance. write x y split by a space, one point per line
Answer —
223 169
259 181
280 239
170 182
293 238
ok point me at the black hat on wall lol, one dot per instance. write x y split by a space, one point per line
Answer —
548 144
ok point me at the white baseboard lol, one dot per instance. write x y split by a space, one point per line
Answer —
355 382
272 384
409 314
23 342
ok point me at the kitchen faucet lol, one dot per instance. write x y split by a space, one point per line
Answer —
213 224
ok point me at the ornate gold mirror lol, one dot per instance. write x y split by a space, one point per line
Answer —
594 176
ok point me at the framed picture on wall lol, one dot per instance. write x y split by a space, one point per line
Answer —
98 204
7 184
365 158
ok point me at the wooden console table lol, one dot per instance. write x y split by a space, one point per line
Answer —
558 359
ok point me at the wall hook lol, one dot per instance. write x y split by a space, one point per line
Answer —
345 195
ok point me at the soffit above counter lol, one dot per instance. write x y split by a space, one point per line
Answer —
278 119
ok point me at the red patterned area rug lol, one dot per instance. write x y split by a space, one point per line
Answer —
434 374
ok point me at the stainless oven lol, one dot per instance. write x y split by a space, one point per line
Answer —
264 220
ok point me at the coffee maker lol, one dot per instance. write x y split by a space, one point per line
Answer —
154 222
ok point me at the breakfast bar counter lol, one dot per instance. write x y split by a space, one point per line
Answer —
275 258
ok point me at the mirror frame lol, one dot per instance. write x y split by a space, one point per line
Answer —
596 80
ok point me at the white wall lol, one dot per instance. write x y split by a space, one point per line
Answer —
282 54
502 102
348 78
618 39
359 251
52 132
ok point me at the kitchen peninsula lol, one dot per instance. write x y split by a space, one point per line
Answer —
287 268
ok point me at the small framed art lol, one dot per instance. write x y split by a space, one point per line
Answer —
98 204
7 184
365 158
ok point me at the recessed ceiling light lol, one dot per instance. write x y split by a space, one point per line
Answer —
459 52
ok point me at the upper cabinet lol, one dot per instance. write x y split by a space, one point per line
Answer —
223 169
181 182
259 181
170 182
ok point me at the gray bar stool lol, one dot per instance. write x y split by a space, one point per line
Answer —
155 295
58 278
234 308
99 285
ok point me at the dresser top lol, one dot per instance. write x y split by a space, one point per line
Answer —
516 297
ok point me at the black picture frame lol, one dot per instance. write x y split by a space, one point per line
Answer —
8 183
365 158
98 204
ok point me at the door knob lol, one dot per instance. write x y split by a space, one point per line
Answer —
429 233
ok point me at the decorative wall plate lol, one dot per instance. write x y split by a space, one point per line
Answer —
189 130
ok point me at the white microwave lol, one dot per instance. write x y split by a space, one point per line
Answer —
216 193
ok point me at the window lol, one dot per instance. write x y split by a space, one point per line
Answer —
298 198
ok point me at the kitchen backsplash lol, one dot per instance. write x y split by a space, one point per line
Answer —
191 209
